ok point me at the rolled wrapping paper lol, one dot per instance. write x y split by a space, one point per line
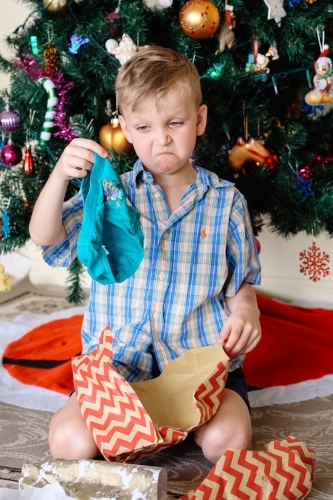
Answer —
94 479
283 472
52 101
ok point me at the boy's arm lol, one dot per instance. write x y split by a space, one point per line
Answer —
242 331
46 227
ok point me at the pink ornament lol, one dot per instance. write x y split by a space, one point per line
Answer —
10 155
305 173
9 121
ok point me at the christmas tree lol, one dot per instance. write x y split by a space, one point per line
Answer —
266 75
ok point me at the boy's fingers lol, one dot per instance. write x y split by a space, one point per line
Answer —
244 346
252 344
90 145
225 334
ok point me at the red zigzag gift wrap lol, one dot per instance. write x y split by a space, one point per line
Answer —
131 420
283 472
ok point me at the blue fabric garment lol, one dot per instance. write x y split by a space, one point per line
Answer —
110 244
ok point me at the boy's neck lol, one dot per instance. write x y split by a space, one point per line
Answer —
175 185
181 179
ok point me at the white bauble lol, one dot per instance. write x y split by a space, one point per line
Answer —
158 4
164 3
111 44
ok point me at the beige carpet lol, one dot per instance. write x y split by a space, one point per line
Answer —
23 432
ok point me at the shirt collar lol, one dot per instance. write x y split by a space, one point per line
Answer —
205 178
140 174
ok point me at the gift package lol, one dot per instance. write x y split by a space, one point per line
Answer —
131 420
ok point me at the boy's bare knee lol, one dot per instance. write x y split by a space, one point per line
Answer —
69 437
215 440
72 442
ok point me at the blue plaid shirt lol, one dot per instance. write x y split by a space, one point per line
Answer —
194 258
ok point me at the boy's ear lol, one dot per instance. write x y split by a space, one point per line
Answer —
201 119
124 128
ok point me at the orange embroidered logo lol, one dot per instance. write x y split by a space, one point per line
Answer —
204 233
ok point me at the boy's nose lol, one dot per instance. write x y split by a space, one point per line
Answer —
162 137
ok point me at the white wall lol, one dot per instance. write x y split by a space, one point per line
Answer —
279 257
12 15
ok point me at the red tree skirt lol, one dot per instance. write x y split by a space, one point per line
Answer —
296 345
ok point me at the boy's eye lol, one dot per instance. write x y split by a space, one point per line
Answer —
175 123
142 127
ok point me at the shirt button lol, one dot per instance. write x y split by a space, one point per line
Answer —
161 275
155 315
157 195
165 236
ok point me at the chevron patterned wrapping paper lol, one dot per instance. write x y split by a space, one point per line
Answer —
283 472
129 421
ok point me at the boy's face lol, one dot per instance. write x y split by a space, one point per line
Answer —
164 136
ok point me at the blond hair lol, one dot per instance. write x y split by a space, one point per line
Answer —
153 73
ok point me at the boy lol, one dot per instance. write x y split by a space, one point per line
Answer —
199 251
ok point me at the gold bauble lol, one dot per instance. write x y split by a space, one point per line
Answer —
112 137
55 5
199 19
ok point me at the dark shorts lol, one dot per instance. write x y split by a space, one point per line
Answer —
236 380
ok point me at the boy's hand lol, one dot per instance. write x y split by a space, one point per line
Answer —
78 158
241 332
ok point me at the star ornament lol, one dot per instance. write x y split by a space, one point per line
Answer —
275 10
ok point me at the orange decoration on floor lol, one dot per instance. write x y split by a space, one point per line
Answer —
42 357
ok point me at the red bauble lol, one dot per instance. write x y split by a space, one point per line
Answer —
305 173
10 154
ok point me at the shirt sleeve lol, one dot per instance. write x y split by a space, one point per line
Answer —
62 254
241 251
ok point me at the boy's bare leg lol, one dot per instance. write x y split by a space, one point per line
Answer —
229 428
69 436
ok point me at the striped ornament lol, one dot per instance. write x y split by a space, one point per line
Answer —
52 101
